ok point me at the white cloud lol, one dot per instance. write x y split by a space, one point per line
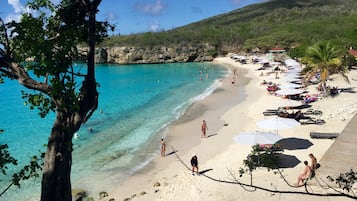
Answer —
154 27
18 10
111 15
11 17
153 9
18 7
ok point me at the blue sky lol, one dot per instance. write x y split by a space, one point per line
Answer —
136 16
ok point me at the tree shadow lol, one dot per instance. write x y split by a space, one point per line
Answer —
287 161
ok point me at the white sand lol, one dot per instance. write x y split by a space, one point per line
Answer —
219 154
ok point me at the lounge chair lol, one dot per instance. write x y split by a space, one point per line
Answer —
312 121
313 112
320 135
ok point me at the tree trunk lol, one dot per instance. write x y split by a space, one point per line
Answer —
325 89
56 181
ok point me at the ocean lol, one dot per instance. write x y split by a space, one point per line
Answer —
136 104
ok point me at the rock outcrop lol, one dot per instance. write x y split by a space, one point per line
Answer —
149 55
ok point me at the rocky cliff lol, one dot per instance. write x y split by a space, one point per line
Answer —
149 55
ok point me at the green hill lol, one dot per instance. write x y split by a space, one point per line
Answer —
291 24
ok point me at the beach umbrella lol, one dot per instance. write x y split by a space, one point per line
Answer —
277 123
292 76
291 79
289 91
257 137
263 61
286 103
287 85
293 143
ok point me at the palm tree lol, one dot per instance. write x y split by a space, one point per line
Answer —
323 59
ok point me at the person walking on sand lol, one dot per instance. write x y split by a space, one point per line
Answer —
305 175
204 129
163 147
194 164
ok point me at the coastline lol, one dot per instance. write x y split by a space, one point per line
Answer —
219 153
183 135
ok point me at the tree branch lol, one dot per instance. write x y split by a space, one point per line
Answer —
341 194
14 71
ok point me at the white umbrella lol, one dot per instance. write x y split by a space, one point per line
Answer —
286 103
292 75
289 91
257 137
289 85
291 79
263 61
277 123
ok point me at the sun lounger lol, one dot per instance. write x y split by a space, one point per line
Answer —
313 112
270 113
312 121
320 135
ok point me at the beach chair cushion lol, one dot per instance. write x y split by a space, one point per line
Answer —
321 135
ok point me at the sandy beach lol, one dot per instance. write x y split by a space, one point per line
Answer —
229 111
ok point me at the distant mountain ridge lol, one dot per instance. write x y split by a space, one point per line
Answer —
291 24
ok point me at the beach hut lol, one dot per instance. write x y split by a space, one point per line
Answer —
277 49
277 53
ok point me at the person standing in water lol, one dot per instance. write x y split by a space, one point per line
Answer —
163 147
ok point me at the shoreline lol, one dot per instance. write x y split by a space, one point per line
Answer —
180 130
220 153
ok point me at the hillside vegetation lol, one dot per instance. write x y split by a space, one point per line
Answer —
291 24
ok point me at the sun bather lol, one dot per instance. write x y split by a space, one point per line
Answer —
304 175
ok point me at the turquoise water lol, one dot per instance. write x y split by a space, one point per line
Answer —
136 104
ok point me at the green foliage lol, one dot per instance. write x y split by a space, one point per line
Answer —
259 158
29 171
5 158
291 24
345 180
43 45
39 101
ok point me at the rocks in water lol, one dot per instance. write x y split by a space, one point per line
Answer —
78 194
103 195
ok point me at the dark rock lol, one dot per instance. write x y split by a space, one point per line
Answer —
142 193
103 194
78 194
157 184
